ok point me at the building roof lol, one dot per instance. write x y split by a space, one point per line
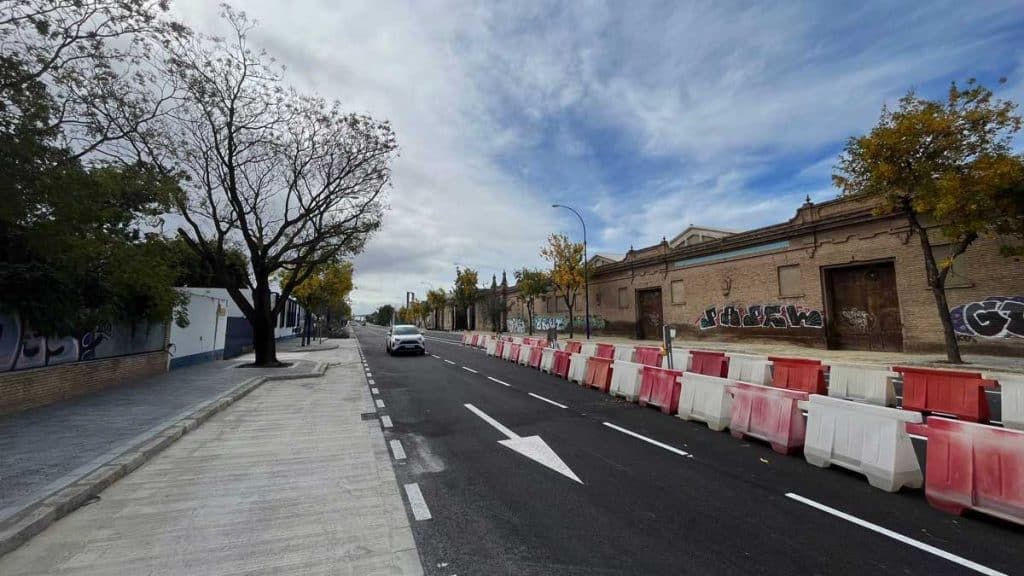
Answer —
691 231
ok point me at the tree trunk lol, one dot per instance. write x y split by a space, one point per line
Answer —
937 283
263 342
529 317
570 322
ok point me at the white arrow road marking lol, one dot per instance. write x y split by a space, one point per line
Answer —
533 447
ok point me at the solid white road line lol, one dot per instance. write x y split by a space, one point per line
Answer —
385 421
499 381
539 397
897 536
449 361
374 391
498 425
470 370
396 450
379 402
417 503
456 343
646 439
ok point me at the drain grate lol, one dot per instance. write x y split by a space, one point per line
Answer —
368 415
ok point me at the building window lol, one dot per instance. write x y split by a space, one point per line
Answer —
957 275
623 298
790 284
678 296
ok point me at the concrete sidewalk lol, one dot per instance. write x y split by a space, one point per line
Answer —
49 450
289 479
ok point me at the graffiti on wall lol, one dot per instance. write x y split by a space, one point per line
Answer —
516 325
993 317
762 316
22 348
560 322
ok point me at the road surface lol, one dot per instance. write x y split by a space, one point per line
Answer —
614 488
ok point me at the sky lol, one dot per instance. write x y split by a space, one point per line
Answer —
644 116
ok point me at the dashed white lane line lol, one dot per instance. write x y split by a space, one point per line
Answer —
436 356
897 536
417 503
646 439
539 397
470 370
375 391
371 382
449 361
379 403
499 381
396 450
385 421
368 374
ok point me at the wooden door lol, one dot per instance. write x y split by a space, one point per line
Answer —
649 314
864 310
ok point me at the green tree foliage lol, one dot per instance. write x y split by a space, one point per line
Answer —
383 315
325 289
566 275
496 306
950 163
531 285
466 291
437 300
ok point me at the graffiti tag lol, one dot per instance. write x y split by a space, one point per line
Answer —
993 317
22 348
762 316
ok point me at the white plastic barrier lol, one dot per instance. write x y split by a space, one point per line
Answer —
588 349
1012 388
680 359
492 346
524 355
865 438
547 360
871 384
577 367
506 351
517 339
750 368
623 353
705 398
626 378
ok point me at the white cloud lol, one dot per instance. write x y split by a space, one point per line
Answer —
490 99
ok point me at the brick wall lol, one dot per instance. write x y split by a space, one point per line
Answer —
26 389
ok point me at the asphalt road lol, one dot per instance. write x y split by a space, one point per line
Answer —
655 494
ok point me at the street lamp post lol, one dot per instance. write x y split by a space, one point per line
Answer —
586 271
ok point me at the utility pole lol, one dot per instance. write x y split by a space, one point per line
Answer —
586 270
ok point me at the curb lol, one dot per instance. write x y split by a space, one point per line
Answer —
36 517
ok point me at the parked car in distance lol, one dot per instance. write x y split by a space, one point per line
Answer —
404 338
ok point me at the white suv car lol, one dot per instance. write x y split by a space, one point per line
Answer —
404 338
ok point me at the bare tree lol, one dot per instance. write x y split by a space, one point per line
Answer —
93 58
288 178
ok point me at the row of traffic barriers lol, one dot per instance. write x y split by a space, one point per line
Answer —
841 414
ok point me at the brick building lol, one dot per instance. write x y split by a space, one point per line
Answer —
835 275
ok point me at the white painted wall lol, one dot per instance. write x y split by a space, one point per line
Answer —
235 312
208 316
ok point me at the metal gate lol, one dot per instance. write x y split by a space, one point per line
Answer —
649 314
864 309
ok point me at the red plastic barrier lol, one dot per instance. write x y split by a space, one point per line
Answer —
975 466
961 394
573 346
475 340
513 356
527 341
560 366
605 351
499 349
802 374
536 354
709 363
770 414
648 355
599 373
660 387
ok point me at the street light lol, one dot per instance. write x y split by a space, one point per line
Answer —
586 270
